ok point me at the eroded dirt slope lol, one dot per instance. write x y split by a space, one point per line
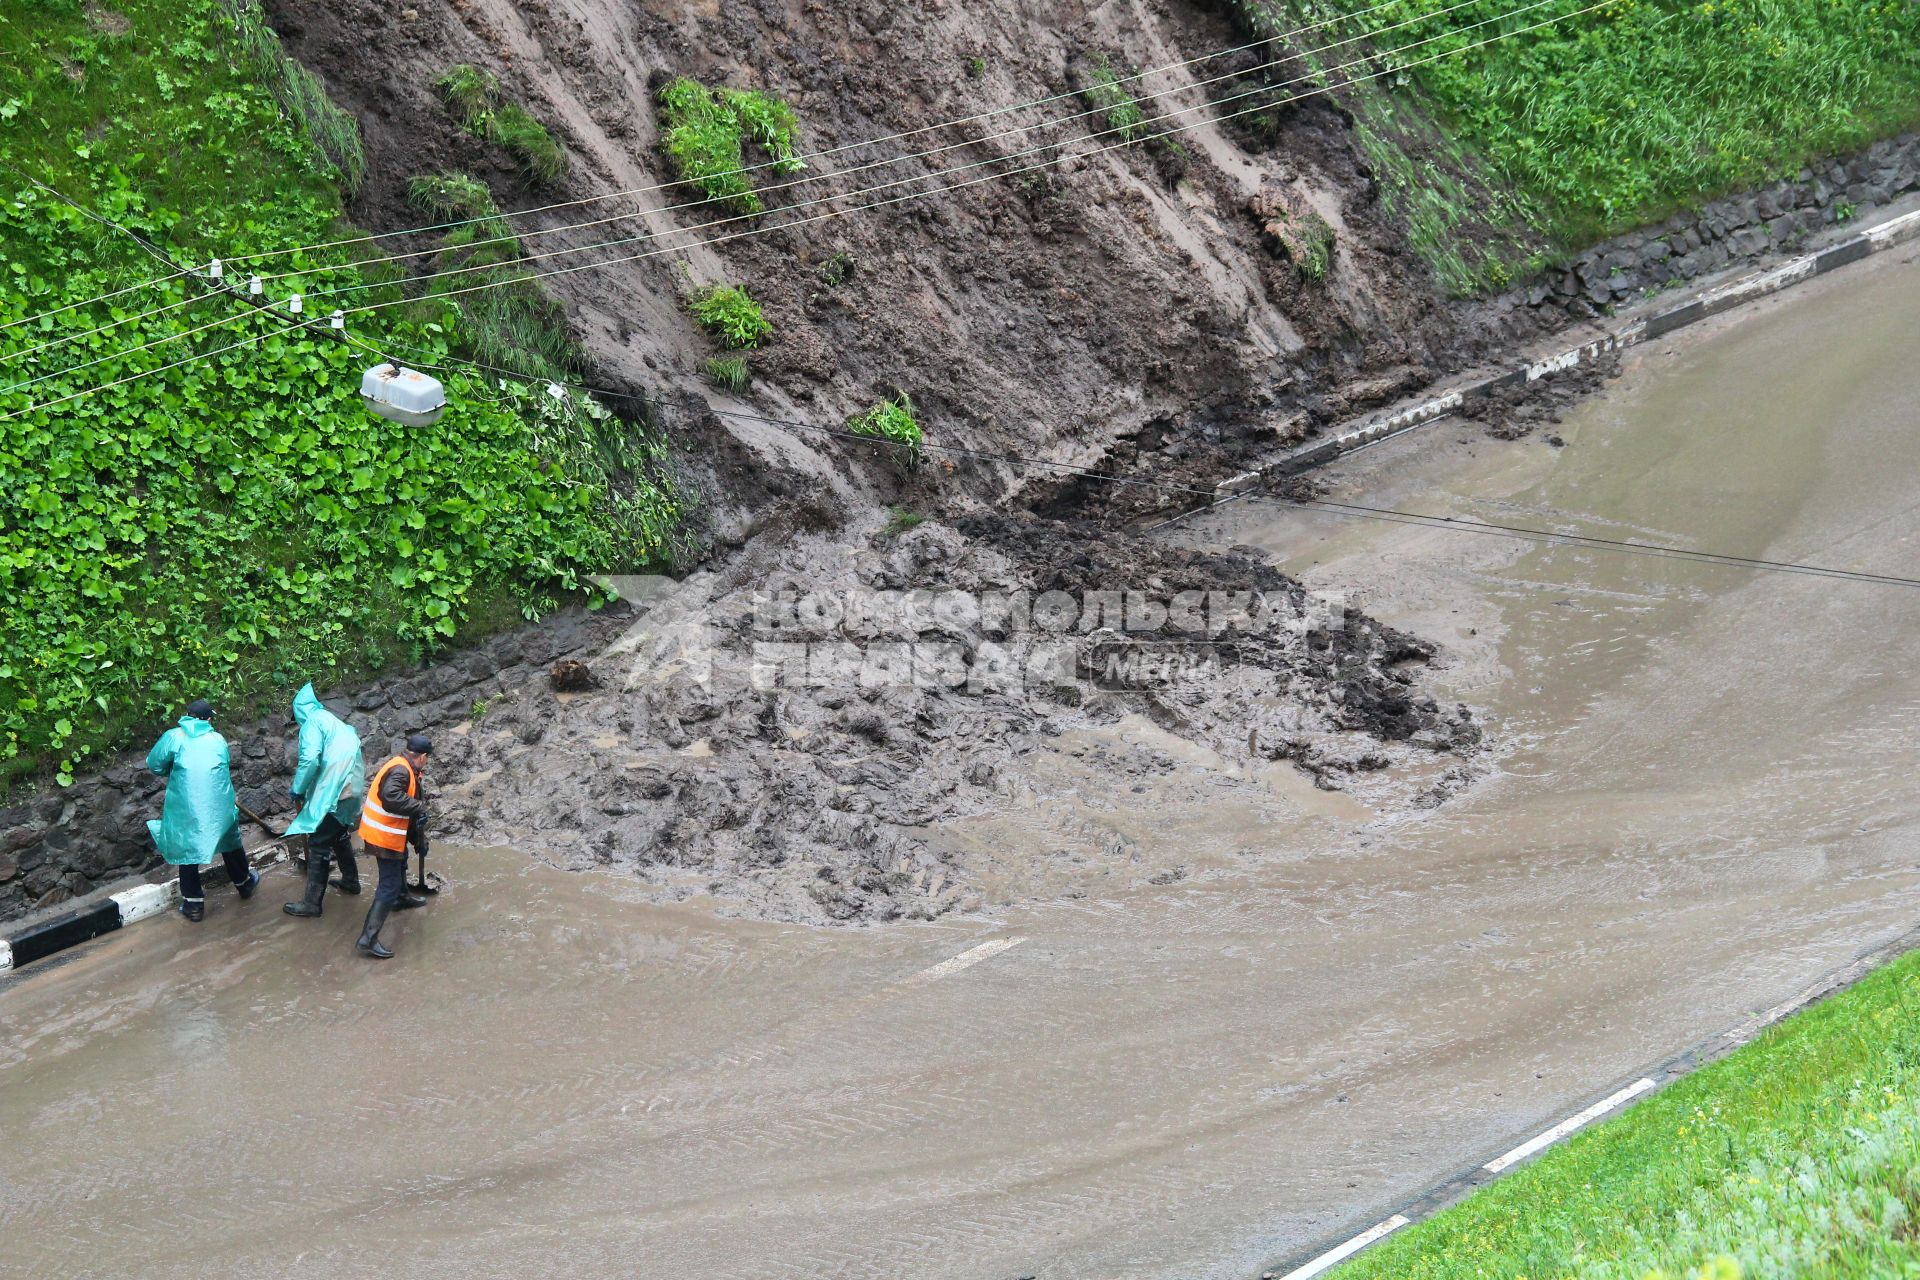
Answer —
1140 312
1129 309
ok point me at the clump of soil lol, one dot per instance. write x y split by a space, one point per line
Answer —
1513 413
709 763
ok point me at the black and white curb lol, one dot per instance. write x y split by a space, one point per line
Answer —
1459 1187
1862 244
116 910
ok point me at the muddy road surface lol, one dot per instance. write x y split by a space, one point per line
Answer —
1698 799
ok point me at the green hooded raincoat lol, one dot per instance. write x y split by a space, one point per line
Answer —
330 776
201 820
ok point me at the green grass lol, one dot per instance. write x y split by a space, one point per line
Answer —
332 132
899 520
1796 1156
482 235
240 524
892 420
1612 119
730 314
707 132
473 96
515 324
729 373
1105 94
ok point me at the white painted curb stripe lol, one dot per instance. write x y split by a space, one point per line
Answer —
1341 1253
1894 230
6 955
1567 1126
971 956
144 900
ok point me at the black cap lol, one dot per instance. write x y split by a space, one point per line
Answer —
420 745
200 709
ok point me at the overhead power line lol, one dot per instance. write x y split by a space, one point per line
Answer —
745 217
1131 78
1127 141
1445 523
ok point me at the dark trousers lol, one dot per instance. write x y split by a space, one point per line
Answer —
237 871
332 842
393 879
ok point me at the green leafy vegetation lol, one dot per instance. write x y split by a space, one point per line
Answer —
513 324
1105 94
899 520
1563 135
479 234
1798 1155
332 131
473 96
731 315
892 420
706 133
837 270
1309 241
239 524
729 373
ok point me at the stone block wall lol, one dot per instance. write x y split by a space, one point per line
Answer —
1731 231
62 843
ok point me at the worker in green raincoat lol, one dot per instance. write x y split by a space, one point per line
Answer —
201 819
327 784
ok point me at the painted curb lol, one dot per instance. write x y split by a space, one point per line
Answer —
143 900
1393 422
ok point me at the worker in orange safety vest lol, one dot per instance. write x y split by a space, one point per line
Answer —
393 817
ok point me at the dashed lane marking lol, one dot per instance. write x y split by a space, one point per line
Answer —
966 959
1579 1120
1340 1253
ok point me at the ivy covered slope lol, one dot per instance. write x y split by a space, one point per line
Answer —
228 520
1598 120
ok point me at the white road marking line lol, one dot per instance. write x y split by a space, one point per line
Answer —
971 956
144 900
1567 1126
1340 1253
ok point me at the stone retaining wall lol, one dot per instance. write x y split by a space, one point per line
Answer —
1743 228
58 844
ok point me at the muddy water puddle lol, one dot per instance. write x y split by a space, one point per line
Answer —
1236 1014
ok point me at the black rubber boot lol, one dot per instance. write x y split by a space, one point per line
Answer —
316 890
348 881
408 901
369 944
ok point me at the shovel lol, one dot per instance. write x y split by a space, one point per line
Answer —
421 886
278 836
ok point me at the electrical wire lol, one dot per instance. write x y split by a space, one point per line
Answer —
947 189
1446 523
681 231
652 235
832 213
1050 123
813 155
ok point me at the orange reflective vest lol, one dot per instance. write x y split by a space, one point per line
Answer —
379 828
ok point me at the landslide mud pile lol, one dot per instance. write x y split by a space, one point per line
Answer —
1148 312
782 733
